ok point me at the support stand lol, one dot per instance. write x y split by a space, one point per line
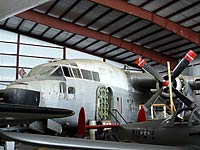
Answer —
9 145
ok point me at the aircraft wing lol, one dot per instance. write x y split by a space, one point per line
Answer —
13 114
79 144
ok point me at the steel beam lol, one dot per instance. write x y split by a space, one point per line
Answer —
125 7
17 56
70 27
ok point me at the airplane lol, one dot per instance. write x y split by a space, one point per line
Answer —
73 84
16 114
113 88
82 144
146 132
182 128
105 91
100 87
174 133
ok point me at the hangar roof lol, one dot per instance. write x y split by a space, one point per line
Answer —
118 30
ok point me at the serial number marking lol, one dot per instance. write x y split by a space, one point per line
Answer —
143 133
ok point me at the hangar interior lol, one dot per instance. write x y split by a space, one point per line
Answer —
113 31
28 53
103 30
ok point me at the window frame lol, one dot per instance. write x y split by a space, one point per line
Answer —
82 70
71 75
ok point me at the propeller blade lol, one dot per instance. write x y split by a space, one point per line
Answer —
148 104
182 97
143 64
189 57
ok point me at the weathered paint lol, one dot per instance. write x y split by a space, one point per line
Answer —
54 89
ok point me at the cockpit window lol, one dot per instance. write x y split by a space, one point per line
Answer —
76 72
34 71
46 69
95 76
67 71
86 74
58 72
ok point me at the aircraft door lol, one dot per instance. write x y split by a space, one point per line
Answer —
62 93
104 103
69 90
66 93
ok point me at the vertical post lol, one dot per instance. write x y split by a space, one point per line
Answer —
64 52
170 89
121 105
92 131
152 114
9 145
17 56
165 111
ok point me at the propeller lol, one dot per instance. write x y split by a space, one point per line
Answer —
183 98
143 64
152 100
189 57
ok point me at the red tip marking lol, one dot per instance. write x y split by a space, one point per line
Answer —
82 122
140 62
165 83
190 56
141 115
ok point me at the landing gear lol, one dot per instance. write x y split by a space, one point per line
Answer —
100 128
69 131
106 136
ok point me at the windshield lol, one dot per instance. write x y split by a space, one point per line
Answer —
34 71
46 69
57 72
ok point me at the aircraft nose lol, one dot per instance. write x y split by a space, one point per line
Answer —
22 96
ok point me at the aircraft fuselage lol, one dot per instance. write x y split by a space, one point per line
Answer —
72 84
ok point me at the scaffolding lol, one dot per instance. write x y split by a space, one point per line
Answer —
157 111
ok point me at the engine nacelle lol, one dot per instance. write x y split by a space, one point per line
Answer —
178 84
142 80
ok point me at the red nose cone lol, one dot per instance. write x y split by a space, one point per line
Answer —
190 56
165 83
